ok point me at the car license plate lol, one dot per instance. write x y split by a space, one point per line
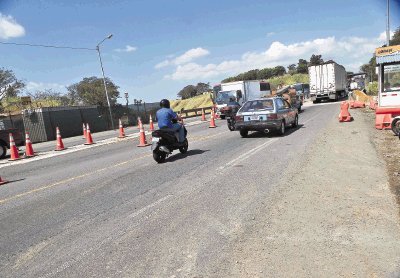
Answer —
254 117
155 139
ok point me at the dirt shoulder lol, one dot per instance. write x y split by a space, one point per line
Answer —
332 216
387 145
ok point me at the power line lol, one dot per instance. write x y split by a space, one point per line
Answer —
48 46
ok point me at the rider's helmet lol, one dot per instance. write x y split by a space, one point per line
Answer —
164 103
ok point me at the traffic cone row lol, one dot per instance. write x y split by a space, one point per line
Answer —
142 135
14 155
203 115
28 146
212 120
151 124
84 131
121 130
89 139
60 144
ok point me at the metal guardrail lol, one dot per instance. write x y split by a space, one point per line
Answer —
195 112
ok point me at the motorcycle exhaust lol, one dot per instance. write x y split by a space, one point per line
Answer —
164 149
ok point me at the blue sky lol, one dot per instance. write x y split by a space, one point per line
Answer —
158 46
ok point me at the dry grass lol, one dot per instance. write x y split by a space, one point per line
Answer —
192 103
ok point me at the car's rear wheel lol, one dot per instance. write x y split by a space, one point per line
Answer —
296 122
3 150
244 133
282 128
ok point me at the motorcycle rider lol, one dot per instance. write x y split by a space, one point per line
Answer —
165 117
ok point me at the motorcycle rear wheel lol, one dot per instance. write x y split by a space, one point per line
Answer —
159 157
185 147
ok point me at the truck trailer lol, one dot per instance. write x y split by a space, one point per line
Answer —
327 82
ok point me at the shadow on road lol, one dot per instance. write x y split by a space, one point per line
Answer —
181 156
272 134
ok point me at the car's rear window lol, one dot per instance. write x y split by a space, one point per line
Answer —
258 105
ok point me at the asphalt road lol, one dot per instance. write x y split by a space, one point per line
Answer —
111 211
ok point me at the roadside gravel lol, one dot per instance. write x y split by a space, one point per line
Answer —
333 215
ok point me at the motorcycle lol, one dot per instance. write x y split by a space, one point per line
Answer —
230 113
165 141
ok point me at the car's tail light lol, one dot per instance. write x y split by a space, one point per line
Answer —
238 118
273 116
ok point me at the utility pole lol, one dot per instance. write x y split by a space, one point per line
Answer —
388 24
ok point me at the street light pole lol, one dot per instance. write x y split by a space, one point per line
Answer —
104 79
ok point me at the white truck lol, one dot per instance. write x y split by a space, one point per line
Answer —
327 82
240 91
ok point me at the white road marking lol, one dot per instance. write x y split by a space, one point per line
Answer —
140 211
248 154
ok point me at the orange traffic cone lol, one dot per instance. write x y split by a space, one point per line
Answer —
13 149
60 144
203 115
142 136
28 146
84 131
151 124
212 120
121 130
89 140
3 181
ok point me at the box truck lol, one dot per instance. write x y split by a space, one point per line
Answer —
327 82
240 91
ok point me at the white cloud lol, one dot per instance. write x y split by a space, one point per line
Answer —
186 57
270 34
39 86
9 28
349 51
382 36
127 48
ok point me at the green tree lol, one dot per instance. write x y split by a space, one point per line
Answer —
292 69
187 92
278 71
302 66
369 69
90 91
265 73
202 88
10 86
316 60
396 37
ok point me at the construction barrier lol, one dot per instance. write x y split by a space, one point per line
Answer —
344 115
384 116
357 104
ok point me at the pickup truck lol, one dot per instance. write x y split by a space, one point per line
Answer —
5 140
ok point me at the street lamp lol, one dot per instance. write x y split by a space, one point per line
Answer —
104 78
